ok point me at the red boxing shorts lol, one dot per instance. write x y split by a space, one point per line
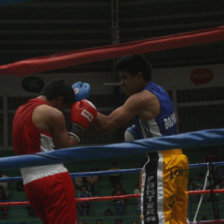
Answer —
53 198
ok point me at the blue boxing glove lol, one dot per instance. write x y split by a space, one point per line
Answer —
131 134
81 90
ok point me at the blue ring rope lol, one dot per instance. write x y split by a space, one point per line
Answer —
110 172
202 138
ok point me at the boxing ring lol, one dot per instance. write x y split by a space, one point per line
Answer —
204 138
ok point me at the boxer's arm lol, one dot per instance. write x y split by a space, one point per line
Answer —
60 134
119 117
52 121
144 105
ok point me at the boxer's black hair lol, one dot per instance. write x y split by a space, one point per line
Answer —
134 64
58 88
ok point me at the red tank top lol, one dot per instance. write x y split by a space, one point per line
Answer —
26 137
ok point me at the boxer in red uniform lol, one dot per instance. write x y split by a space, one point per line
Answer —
39 126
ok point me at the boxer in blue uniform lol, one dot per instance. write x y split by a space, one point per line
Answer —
164 177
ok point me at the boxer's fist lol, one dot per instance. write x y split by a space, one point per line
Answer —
131 134
83 113
81 90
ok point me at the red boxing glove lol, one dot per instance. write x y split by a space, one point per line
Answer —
83 113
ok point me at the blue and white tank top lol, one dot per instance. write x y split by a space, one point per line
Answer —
162 125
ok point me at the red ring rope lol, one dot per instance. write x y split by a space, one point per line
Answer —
106 198
56 61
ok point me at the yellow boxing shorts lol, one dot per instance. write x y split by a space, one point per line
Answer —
164 196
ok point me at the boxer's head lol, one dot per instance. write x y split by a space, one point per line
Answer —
135 71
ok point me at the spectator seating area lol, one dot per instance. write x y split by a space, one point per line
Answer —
106 210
